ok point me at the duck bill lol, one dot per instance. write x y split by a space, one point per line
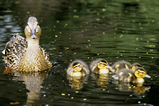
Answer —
147 76
33 34
71 70
109 67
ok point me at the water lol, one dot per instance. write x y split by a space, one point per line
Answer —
86 30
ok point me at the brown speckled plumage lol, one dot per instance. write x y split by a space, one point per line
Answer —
22 54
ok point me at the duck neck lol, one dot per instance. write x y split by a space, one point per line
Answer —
33 49
140 80
33 43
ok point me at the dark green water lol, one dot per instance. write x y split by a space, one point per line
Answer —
110 29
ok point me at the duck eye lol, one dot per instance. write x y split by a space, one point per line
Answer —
28 29
37 29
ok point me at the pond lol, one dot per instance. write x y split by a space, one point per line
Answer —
87 30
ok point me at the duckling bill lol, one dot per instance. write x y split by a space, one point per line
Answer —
22 54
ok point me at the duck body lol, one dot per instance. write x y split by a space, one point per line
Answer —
22 54
99 66
131 76
77 68
120 65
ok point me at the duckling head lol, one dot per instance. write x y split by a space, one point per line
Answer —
103 64
136 65
141 73
32 30
77 67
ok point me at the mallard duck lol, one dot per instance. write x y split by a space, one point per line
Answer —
22 54
120 65
100 66
128 75
77 68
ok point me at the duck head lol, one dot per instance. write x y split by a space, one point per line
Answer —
103 64
32 30
141 73
76 67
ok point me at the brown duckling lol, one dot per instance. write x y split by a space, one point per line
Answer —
100 66
78 68
128 75
120 65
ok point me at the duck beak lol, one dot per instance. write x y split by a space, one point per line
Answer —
109 67
33 34
71 70
147 76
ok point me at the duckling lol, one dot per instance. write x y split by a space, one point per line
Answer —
128 75
120 65
100 66
135 65
22 54
77 68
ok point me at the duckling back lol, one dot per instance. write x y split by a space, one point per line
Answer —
125 75
120 65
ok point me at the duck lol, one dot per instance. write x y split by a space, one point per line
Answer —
78 68
120 65
135 65
100 66
25 54
131 76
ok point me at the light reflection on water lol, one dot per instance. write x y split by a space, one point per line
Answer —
86 31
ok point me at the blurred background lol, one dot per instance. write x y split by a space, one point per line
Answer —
83 29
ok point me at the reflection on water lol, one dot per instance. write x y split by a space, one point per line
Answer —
138 89
33 82
113 30
102 80
76 82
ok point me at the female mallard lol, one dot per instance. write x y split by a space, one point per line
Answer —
100 66
22 54
78 68
128 75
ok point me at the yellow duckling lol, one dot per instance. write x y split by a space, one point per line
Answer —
120 65
135 65
100 66
128 75
77 68
22 54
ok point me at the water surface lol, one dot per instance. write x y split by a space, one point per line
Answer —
86 30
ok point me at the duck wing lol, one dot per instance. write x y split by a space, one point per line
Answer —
14 50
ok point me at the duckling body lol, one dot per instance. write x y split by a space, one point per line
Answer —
128 75
22 54
120 65
77 68
99 66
